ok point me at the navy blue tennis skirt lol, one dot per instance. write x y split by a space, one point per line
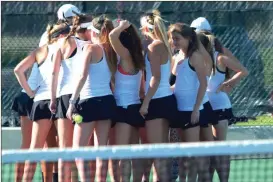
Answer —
22 104
165 107
62 106
129 115
223 114
97 108
183 120
209 116
40 110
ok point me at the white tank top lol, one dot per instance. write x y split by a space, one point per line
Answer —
186 86
164 89
127 88
98 80
45 76
70 70
217 100
33 78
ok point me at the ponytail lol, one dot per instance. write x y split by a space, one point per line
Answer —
54 31
208 43
160 31
217 46
105 26
75 24
48 30
210 48
156 25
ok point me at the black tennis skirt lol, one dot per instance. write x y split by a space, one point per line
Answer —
165 107
40 110
209 116
62 106
97 108
129 115
223 114
22 104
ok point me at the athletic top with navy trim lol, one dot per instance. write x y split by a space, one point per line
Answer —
33 78
186 86
98 80
127 88
218 100
164 88
45 75
70 69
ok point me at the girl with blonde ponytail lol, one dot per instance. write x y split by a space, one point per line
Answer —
66 63
159 104
36 107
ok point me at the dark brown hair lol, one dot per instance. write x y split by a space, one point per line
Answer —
214 41
131 40
206 43
105 26
187 32
217 47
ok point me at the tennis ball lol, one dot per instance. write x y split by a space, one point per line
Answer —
77 118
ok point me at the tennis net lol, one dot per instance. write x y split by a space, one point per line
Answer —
251 161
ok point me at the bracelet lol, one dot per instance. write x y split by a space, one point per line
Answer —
73 102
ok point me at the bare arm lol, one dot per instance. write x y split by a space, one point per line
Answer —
115 42
228 53
204 53
199 65
174 65
87 54
173 73
20 70
57 59
234 65
142 86
155 51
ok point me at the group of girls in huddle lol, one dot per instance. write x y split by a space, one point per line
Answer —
129 89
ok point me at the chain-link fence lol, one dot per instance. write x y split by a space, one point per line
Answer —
243 27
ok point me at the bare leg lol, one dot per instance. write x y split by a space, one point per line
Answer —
40 130
81 136
65 134
26 128
223 162
102 129
161 136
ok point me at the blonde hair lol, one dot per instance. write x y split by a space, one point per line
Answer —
53 31
159 29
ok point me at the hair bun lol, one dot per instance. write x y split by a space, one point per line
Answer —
156 12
